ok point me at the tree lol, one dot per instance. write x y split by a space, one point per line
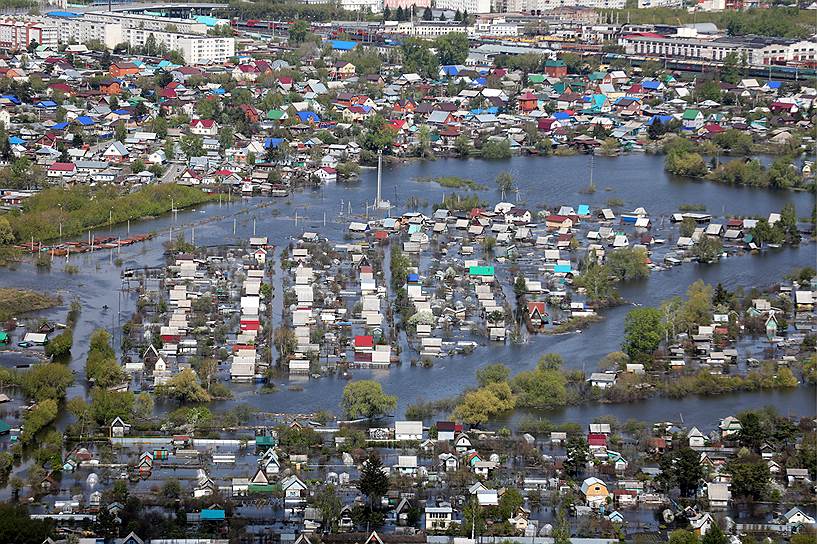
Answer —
365 398
143 406
628 263
496 372
578 455
184 387
643 330
708 249
417 57
59 347
328 502
427 14
101 366
374 483
543 387
452 48
386 13
681 536
685 470
107 405
750 477
509 503
192 146
120 132
137 166
38 417
6 233
16 526
504 181
298 31
494 150
479 405
729 71
788 222
715 536
595 279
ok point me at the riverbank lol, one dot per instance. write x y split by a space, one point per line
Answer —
15 302
65 213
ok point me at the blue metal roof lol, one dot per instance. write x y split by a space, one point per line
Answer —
208 514
63 14
272 142
308 116
342 45
85 120
16 140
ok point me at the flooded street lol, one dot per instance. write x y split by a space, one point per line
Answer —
637 180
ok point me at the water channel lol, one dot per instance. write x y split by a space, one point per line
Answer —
637 180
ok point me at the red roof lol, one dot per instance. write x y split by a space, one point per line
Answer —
62 167
595 439
206 123
364 341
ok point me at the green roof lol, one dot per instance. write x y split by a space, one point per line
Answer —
691 114
4 427
595 76
264 441
261 488
275 115
536 78
554 63
4 337
481 270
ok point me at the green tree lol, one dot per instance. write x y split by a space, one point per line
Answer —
496 372
108 405
595 279
120 132
543 387
374 483
365 398
750 477
329 504
681 536
683 469
504 181
578 455
509 503
452 48
417 57
37 418
643 330
494 150
628 263
16 526
298 31
715 536
708 249
729 70
184 387
59 347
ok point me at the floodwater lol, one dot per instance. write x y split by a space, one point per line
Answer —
638 180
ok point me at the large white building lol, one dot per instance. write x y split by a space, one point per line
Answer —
644 4
373 6
494 26
111 29
471 6
18 33
538 7
204 50
757 50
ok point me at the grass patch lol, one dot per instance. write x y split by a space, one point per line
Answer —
692 207
80 209
14 302
574 324
453 182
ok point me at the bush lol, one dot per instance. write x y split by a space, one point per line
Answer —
496 150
